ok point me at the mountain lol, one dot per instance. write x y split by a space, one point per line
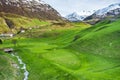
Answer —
111 11
74 17
29 8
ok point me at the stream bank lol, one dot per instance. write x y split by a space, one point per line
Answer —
26 73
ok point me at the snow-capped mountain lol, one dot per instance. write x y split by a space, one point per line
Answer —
104 11
29 8
110 11
74 17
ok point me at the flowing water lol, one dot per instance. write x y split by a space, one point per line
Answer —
26 73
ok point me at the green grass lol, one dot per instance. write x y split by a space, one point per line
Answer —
103 41
75 53
7 70
3 26
27 22
19 22
81 24
38 64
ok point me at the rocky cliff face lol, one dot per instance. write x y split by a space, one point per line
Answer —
29 8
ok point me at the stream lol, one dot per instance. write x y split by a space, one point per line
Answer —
26 73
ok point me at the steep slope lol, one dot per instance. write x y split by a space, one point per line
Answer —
74 17
29 8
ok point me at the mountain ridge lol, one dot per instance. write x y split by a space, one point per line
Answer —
74 17
111 12
29 8
107 9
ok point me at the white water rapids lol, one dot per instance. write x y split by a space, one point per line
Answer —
26 73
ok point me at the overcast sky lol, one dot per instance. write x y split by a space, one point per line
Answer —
65 7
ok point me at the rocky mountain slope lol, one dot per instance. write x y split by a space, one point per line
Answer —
74 17
112 11
29 8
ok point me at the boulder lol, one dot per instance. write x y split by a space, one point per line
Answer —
1 41
8 50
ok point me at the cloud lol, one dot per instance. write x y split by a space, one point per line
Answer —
65 7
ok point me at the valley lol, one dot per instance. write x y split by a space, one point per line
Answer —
57 55
37 43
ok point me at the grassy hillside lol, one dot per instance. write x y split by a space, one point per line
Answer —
8 70
71 53
36 52
3 25
102 39
12 22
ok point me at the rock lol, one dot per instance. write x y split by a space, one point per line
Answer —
7 35
1 41
8 50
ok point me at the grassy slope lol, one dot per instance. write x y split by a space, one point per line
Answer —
3 25
7 69
18 22
34 52
100 48
94 55
102 40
